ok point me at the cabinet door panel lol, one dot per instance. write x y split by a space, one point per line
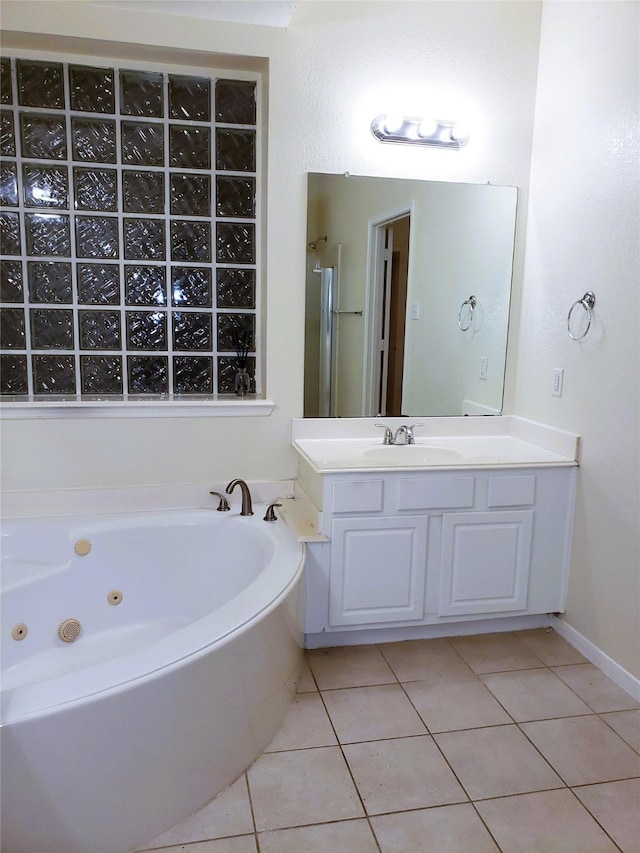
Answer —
485 562
377 570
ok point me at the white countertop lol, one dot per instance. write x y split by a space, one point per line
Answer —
355 444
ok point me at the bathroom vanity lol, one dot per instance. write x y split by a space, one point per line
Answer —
473 521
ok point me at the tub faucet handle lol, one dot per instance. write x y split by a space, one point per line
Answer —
223 506
270 514
247 508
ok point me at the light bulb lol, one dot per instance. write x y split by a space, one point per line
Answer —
427 127
392 123
459 131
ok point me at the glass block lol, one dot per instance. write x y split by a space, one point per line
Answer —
191 287
148 375
11 286
6 89
236 150
49 281
101 374
91 89
12 329
236 332
189 98
13 375
8 184
54 374
235 288
146 330
191 331
190 241
236 101
142 144
235 197
44 137
193 375
7 136
96 237
45 186
227 369
40 84
141 94
9 234
235 244
98 284
189 147
145 286
99 329
51 328
143 192
47 234
190 195
93 140
144 239
95 189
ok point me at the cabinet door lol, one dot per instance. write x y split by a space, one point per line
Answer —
377 570
485 561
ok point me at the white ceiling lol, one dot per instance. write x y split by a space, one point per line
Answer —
269 13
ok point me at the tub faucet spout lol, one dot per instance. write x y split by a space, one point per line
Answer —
247 508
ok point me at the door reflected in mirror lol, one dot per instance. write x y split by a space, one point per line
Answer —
407 296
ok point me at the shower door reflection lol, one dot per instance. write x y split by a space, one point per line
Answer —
322 333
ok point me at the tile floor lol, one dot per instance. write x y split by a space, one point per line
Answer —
510 742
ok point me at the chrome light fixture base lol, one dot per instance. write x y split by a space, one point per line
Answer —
420 131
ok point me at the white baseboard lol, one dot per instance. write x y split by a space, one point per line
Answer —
616 673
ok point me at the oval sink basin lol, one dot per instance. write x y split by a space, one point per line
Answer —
412 454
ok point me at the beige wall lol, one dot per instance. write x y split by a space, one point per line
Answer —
583 226
335 68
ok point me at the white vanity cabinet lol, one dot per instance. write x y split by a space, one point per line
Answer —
424 547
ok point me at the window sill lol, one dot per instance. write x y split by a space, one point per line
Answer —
209 407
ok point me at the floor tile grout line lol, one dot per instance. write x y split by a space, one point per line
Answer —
612 710
589 812
251 809
352 777
388 663
604 713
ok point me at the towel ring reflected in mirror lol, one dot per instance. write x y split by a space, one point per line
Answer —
587 302
463 316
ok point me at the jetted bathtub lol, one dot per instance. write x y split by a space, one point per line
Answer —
147 660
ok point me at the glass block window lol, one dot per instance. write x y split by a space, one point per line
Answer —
129 232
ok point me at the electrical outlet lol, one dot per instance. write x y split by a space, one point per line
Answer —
415 310
483 366
558 379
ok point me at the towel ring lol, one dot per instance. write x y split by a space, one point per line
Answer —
471 302
587 302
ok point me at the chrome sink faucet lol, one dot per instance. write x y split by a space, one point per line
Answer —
403 435
406 431
247 508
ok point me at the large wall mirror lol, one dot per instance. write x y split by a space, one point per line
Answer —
408 285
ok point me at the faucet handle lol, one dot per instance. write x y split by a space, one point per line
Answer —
410 428
270 514
223 506
388 435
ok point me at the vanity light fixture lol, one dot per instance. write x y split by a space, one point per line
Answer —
420 131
